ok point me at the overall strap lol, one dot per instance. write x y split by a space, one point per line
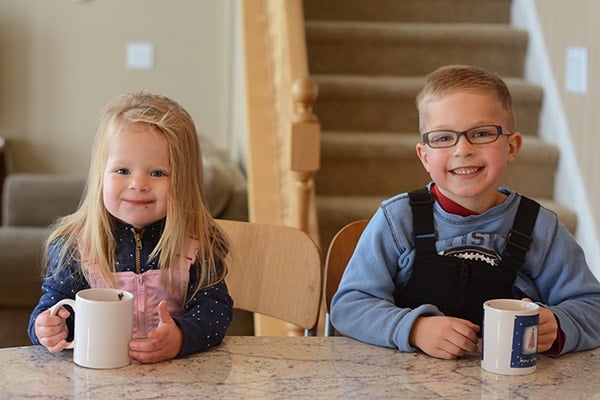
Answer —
421 203
519 238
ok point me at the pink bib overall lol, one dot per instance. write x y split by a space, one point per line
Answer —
148 289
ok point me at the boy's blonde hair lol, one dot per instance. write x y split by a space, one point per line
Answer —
89 229
450 79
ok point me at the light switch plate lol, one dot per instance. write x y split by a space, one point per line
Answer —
140 55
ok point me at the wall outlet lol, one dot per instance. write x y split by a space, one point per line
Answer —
576 70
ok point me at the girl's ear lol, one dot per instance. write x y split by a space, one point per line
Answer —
422 154
514 145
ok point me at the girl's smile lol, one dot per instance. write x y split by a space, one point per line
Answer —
136 177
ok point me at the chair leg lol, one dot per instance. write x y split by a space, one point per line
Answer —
310 332
329 329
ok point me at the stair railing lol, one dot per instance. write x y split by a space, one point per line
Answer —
283 133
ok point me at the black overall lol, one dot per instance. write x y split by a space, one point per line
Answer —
459 287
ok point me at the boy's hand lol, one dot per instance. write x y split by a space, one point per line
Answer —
547 330
51 330
164 343
444 337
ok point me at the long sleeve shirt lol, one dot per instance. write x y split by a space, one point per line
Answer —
555 273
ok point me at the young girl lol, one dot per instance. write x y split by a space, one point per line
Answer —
143 226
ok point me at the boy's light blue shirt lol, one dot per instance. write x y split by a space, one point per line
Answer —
555 273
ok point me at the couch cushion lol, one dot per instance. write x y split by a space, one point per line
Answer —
21 252
219 177
38 199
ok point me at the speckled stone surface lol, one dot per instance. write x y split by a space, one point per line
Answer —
294 367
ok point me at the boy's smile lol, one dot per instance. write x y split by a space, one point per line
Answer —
466 173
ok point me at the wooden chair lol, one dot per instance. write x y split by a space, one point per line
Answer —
340 250
274 270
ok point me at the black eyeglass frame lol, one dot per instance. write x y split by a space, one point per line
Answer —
500 131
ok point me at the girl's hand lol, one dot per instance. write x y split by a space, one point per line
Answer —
164 343
548 328
52 330
444 337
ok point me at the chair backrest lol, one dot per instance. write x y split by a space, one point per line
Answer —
274 270
340 250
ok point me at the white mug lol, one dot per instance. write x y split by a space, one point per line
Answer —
103 325
510 334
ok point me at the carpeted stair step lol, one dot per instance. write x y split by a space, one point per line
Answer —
369 58
409 49
489 11
387 104
383 164
368 164
336 211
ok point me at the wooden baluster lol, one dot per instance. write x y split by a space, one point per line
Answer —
305 154
305 148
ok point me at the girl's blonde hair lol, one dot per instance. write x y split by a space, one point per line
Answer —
89 229
450 79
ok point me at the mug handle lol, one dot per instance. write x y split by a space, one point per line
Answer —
54 311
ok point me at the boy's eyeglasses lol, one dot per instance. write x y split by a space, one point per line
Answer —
483 134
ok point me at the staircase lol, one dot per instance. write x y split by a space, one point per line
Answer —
369 58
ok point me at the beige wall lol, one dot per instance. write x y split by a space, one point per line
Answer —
62 60
575 23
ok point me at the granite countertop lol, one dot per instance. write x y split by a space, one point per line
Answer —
301 367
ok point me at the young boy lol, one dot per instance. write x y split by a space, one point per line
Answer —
428 260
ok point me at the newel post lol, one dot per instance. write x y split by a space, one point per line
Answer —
305 148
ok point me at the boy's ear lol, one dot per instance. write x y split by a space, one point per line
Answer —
422 154
514 145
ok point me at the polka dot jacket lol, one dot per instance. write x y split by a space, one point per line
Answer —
207 314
